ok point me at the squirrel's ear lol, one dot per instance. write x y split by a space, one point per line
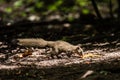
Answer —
78 44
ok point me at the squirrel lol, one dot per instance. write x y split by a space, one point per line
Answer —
28 42
62 46
57 46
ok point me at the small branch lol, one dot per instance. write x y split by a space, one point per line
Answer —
96 9
118 1
110 9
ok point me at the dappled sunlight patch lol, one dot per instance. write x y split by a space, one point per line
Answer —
91 55
8 66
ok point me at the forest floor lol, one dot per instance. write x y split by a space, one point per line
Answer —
101 62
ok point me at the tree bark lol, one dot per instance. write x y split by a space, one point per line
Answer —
96 9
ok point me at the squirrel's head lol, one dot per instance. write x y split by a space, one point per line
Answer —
78 50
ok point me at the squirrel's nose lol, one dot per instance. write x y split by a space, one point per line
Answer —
80 51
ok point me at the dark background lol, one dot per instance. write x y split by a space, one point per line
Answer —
75 21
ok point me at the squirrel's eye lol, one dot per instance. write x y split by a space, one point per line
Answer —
77 48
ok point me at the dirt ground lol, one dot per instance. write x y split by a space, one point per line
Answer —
101 62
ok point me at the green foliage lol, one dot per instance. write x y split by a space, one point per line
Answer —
54 6
39 4
18 3
82 2
1 1
8 9
85 11
24 8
